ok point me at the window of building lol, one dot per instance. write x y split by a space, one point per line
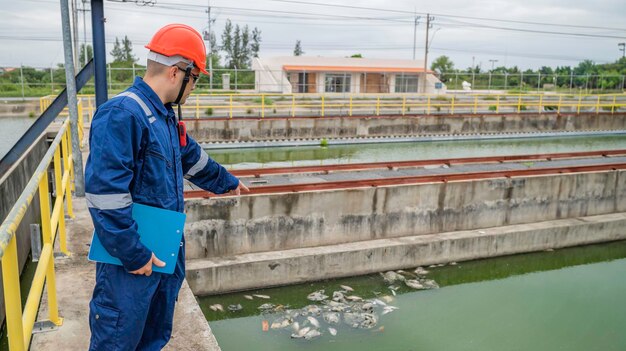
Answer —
338 83
406 83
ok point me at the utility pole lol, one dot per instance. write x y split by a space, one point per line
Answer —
75 33
429 18
207 37
415 23
473 71
492 62
72 101
84 11
622 48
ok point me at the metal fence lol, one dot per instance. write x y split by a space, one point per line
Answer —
201 106
23 82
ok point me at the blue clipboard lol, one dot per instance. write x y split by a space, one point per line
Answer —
159 230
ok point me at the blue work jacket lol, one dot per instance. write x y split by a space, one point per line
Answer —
135 156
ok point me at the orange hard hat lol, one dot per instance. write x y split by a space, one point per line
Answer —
180 39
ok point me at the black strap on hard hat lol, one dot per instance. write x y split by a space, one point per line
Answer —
182 130
183 86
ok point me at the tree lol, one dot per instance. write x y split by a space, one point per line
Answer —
442 64
256 42
123 52
117 53
227 42
237 45
81 59
127 50
357 56
297 51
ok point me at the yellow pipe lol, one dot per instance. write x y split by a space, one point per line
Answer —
428 106
68 166
475 104
44 205
540 104
36 290
498 104
598 105
403 104
452 106
322 105
231 106
262 106
293 105
12 297
378 106
558 109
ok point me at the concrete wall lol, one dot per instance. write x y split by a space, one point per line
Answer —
214 130
224 227
11 186
302 265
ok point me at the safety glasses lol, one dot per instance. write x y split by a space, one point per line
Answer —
194 76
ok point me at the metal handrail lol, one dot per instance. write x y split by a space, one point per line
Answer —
20 322
241 105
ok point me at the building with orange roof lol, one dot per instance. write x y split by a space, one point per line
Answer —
307 74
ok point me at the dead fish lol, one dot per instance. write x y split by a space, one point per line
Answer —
387 298
378 302
430 284
354 298
302 332
217 307
235 308
453 263
331 317
412 283
261 296
391 276
313 333
332 331
346 288
248 297
266 307
420 271
313 321
317 296
338 296
389 309
281 323
295 326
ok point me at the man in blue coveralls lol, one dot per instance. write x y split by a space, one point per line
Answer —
140 154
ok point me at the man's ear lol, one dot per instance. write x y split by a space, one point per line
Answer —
172 71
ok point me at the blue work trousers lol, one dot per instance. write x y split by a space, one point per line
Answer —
133 312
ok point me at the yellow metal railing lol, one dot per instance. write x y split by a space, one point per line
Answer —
264 105
20 322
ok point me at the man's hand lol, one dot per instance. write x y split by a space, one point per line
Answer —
147 269
241 187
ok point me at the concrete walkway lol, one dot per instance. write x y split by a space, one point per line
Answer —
75 281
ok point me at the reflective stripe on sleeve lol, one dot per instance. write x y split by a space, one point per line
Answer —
108 201
141 103
202 162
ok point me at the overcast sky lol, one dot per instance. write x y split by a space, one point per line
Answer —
464 30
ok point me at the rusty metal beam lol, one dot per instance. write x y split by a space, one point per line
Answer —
257 172
335 185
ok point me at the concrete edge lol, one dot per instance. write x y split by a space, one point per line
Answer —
266 269
191 330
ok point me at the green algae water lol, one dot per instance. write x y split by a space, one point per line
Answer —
383 152
569 299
